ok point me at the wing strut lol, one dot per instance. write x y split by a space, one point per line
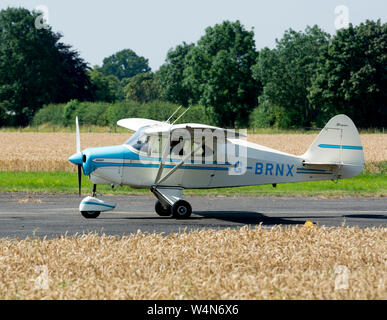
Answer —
164 157
176 167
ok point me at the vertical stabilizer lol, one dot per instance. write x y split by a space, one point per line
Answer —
337 144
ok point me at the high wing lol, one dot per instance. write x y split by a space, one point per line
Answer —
136 123
156 127
164 128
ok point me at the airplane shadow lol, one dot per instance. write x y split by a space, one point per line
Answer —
244 217
366 216
237 217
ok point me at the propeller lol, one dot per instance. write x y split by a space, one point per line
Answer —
78 142
77 157
79 179
77 135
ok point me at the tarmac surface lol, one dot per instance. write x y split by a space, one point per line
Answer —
52 215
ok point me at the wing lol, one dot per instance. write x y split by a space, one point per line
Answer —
136 123
164 127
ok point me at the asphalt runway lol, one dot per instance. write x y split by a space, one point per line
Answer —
25 215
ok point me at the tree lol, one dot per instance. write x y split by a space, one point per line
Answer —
124 64
286 74
351 77
171 76
218 73
105 88
142 88
35 68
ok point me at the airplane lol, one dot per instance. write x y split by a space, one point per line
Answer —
167 158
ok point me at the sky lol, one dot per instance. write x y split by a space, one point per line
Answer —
98 29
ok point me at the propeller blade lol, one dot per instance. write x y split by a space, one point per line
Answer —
77 135
79 178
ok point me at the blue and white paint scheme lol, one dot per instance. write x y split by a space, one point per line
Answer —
92 204
145 161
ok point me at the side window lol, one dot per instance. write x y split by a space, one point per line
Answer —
177 147
203 150
142 144
155 147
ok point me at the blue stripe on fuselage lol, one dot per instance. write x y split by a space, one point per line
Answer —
154 165
123 153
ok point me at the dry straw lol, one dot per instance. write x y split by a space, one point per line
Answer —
304 262
28 151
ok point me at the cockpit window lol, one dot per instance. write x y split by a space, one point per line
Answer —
152 145
139 140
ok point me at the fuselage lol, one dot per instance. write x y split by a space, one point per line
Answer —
124 165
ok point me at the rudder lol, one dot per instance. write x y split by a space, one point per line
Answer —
338 144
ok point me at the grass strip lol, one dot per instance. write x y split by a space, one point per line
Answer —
364 185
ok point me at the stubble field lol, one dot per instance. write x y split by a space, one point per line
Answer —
303 262
35 152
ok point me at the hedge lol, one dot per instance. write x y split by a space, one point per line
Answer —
107 114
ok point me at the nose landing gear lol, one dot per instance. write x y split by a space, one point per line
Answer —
91 207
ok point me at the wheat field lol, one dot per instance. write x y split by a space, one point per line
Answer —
302 262
29 151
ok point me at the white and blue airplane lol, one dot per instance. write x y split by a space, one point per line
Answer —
168 158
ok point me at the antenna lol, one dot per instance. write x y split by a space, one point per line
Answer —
173 114
181 115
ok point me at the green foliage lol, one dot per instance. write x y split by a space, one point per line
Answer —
124 64
286 74
122 110
171 76
70 112
272 116
158 110
107 114
142 88
35 68
197 114
52 114
262 118
306 79
218 73
92 113
106 88
5 114
351 76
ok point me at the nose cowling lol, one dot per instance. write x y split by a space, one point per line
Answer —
87 158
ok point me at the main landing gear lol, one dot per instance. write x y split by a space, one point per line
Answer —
170 203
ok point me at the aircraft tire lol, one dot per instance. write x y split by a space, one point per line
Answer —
161 211
181 209
90 214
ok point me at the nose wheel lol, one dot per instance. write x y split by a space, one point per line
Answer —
90 214
91 207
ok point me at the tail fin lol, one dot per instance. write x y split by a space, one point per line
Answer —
338 144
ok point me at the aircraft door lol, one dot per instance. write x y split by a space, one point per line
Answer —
199 169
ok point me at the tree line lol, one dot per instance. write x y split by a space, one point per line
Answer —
308 77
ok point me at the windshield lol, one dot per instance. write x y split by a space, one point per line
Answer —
139 140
